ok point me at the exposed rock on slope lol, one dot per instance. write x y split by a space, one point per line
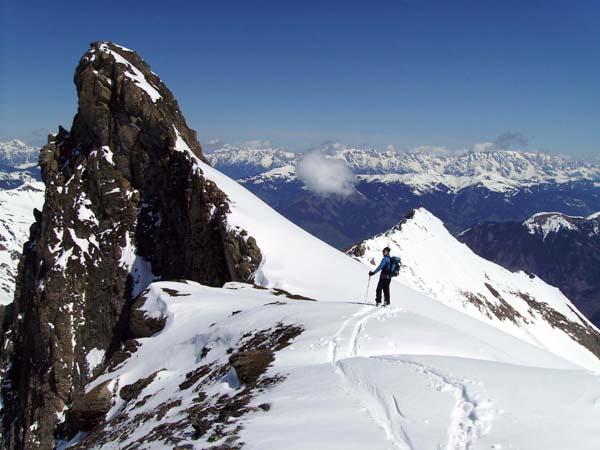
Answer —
563 250
125 204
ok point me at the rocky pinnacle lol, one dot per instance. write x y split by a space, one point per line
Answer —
123 206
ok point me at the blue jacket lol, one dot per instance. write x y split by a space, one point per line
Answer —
384 266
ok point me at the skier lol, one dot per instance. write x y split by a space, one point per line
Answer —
384 279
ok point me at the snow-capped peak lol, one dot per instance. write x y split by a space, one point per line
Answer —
548 223
16 152
441 267
133 72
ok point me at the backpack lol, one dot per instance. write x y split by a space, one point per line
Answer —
394 266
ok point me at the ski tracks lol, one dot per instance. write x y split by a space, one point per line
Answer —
470 417
384 411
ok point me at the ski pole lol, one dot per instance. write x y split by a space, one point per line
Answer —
367 294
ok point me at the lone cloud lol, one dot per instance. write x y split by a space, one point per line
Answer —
325 176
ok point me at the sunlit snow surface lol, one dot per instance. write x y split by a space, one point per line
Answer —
418 375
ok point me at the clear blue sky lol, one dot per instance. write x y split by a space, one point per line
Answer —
406 73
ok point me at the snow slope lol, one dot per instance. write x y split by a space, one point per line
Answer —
293 259
425 373
16 216
441 267
418 375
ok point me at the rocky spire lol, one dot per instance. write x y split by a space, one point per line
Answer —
126 203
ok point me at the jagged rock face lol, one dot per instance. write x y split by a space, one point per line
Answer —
124 206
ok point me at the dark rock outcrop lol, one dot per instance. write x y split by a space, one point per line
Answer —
250 365
91 408
126 203
140 324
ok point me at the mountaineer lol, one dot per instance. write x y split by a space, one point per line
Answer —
389 267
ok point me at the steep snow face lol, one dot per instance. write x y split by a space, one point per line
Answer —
501 171
441 267
293 259
16 216
418 375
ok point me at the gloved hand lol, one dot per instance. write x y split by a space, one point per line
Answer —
370 274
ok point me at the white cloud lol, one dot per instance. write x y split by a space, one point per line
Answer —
483 147
325 176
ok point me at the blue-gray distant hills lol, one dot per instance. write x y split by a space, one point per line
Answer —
463 189
562 250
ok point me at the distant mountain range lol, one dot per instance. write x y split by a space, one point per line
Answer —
498 171
462 189
18 163
562 250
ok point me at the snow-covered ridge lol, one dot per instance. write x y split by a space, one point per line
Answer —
594 216
547 223
441 267
499 171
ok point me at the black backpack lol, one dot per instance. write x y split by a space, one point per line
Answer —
394 266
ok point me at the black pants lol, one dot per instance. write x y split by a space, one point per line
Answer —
383 285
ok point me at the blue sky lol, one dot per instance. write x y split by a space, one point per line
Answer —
406 73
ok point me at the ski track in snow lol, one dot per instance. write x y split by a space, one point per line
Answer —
469 420
383 414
